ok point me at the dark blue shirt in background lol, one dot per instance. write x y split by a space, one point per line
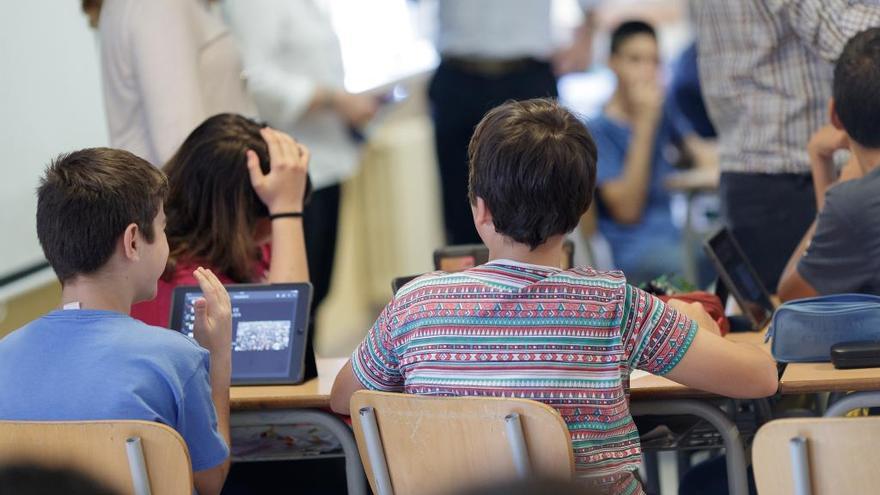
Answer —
632 244
844 254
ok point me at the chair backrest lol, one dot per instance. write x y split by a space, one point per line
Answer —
436 445
841 455
98 449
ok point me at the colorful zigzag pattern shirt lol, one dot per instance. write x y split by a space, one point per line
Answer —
568 339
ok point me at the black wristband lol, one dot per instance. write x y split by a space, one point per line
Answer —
290 214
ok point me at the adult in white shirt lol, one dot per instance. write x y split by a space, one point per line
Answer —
166 66
491 51
293 64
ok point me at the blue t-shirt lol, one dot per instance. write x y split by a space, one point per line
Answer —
631 243
99 365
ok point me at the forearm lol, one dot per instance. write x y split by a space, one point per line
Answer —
221 373
823 176
785 281
704 152
323 97
626 196
288 262
221 376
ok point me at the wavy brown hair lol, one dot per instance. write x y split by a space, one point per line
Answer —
212 208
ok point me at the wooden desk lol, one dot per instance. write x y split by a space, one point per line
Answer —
269 397
307 403
652 387
652 395
695 180
864 383
804 378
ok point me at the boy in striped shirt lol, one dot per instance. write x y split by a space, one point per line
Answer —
519 326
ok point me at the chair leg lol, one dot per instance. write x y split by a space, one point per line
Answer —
375 451
137 466
651 461
518 445
800 466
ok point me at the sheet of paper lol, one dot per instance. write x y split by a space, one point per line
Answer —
636 374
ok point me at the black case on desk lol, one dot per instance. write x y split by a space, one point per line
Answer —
864 354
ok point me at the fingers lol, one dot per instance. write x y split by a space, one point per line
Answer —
304 155
274 145
205 284
201 311
283 149
290 149
254 170
213 290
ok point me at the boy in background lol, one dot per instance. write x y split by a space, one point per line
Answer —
639 136
841 251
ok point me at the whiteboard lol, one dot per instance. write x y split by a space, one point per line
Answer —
50 102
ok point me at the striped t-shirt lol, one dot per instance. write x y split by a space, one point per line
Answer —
505 329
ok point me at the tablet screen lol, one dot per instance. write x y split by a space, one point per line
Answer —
264 326
746 286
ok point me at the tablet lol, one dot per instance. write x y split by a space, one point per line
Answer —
269 329
740 278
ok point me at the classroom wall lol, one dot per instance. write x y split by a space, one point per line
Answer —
50 102
27 306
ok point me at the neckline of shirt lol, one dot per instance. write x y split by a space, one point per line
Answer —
522 264
85 313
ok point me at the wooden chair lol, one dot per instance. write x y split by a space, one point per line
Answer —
131 457
434 445
817 456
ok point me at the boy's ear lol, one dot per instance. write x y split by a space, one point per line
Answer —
832 113
131 242
482 215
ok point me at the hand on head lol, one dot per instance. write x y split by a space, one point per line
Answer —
283 188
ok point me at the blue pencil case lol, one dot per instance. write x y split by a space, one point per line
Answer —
804 330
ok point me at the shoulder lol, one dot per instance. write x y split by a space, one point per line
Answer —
610 282
170 348
16 337
429 284
849 201
599 123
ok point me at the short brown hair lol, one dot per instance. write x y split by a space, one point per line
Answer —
86 200
534 164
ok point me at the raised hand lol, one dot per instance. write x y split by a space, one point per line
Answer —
283 188
213 324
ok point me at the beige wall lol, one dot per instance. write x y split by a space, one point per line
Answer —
23 308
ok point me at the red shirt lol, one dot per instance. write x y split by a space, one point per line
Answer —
158 310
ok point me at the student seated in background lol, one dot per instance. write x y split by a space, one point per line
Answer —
101 224
841 251
518 326
226 183
637 136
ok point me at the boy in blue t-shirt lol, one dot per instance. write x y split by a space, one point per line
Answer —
100 221
637 137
